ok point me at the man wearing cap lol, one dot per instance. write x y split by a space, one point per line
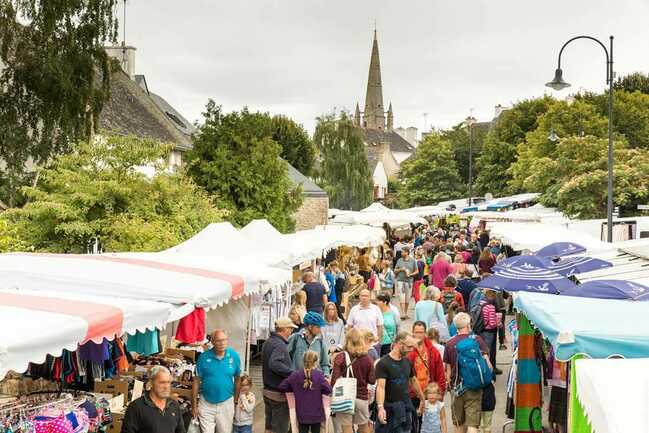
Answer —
276 366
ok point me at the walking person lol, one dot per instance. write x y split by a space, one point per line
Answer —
245 408
217 382
427 363
434 416
309 385
276 366
155 411
390 323
486 322
405 270
486 262
431 312
466 384
386 276
394 373
333 331
362 368
439 270
366 316
316 293
309 339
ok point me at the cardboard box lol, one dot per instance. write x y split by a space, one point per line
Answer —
113 387
116 426
191 354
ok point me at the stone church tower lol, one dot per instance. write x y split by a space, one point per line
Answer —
374 116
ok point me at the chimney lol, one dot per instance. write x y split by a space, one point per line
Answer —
125 55
411 135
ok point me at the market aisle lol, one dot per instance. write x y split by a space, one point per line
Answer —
503 360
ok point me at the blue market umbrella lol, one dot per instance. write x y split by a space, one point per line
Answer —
578 265
531 260
610 289
560 249
527 278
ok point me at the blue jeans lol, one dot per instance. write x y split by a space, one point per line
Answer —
242 429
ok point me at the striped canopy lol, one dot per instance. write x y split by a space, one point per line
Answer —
577 265
532 260
560 249
526 278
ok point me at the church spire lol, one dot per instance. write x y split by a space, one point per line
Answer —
374 115
390 124
357 116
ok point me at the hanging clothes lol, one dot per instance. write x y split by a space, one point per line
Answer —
191 328
145 343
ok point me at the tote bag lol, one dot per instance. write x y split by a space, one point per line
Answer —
442 327
343 395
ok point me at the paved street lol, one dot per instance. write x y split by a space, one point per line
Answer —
503 361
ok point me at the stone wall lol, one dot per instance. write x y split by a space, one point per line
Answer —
313 212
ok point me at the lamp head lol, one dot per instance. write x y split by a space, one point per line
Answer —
557 82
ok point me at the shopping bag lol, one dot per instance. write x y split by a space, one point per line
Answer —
194 426
343 394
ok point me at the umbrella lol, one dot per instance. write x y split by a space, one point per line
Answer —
610 289
526 278
560 249
578 265
536 261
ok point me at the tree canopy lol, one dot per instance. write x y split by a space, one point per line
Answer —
237 161
99 193
431 174
344 171
54 81
297 147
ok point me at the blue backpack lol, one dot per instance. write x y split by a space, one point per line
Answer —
473 370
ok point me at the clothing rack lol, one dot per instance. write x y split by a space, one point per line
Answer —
26 408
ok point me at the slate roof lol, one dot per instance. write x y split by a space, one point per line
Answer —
131 110
397 142
373 157
309 188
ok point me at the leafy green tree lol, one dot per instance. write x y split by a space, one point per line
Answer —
461 138
431 174
499 149
98 193
237 161
565 119
297 147
9 238
344 171
54 81
635 82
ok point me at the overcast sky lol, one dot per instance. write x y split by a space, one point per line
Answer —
302 58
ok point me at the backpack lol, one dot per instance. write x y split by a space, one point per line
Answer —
477 318
472 368
448 296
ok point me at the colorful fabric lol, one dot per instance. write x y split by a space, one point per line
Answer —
578 420
528 390
191 328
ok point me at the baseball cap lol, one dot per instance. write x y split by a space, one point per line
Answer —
284 322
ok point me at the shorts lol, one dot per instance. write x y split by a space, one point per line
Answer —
361 415
403 290
466 408
486 419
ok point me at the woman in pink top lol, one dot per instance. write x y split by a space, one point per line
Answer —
439 270
491 323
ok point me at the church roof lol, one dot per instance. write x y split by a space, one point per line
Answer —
131 110
397 143
309 188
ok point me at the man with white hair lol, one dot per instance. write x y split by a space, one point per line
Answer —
466 403
155 412
217 378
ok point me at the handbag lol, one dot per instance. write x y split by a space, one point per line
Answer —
442 327
343 394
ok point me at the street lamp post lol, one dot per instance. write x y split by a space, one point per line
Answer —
469 123
558 83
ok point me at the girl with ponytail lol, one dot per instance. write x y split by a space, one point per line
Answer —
308 385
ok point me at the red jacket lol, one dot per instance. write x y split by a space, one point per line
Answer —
436 371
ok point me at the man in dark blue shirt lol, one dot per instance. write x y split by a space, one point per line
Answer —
316 294
465 287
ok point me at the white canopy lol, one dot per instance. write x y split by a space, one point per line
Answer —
173 278
37 323
424 211
376 215
614 394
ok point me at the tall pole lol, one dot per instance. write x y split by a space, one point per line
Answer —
470 163
609 201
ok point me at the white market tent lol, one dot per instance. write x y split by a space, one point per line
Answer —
376 215
614 394
173 278
429 211
38 323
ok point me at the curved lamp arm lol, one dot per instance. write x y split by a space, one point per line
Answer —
609 68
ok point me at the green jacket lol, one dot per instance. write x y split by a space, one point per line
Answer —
298 346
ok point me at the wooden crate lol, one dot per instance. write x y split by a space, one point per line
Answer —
113 387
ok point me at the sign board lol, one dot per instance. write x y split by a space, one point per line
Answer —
643 207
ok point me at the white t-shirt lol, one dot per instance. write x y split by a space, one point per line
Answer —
365 318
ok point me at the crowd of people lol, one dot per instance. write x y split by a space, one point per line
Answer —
381 375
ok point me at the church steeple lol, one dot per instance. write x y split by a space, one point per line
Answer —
390 125
374 115
357 116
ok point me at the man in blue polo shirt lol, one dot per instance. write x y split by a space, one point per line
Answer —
217 378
